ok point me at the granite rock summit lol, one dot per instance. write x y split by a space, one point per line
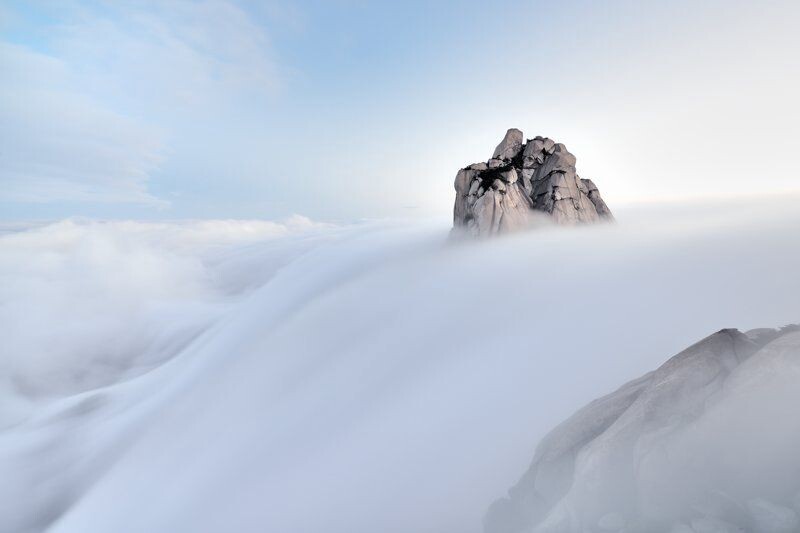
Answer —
523 178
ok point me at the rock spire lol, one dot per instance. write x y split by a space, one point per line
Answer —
522 178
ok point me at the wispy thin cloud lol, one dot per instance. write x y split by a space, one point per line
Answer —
89 117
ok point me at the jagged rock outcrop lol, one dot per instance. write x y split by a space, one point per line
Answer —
708 442
521 179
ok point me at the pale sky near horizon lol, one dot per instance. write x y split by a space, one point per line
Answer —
345 109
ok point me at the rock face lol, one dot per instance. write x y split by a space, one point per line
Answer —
707 442
521 179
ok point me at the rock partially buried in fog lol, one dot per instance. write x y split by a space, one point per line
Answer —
772 518
705 443
523 178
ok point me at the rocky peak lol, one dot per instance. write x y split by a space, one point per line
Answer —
521 178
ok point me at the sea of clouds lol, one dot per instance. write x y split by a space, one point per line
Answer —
304 377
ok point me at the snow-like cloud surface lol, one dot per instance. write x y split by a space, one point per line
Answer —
251 376
87 302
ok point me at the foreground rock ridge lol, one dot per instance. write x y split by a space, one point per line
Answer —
523 178
708 442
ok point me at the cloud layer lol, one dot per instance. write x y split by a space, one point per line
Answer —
346 379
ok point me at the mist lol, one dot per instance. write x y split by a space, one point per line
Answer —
377 376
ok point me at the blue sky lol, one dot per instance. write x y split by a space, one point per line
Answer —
345 109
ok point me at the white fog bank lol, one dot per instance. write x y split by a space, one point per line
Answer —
253 376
